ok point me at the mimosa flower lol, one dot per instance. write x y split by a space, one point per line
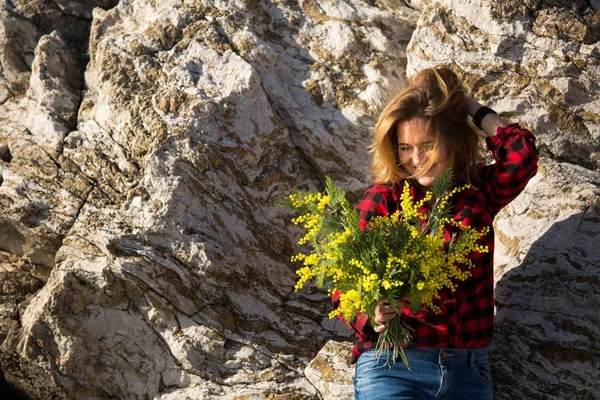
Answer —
400 257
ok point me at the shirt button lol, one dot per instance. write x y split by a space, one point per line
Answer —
453 319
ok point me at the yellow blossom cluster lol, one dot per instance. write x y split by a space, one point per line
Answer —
444 200
339 238
312 224
409 208
351 302
402 256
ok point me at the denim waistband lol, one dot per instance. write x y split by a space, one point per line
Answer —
442 356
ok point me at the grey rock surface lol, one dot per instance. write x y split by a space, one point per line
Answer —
146 188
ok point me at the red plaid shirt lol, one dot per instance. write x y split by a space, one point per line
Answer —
467 314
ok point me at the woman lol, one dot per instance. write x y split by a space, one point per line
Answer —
423 131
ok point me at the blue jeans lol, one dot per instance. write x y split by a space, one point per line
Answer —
440 374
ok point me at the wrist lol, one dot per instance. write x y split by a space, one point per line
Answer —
480 114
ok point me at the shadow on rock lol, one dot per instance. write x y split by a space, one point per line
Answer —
10 392
548 316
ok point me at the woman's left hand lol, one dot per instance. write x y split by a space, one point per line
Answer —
383 312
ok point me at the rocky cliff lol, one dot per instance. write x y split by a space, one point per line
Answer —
143 146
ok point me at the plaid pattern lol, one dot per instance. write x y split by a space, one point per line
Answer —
467 314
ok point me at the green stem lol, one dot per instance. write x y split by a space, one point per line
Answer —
393 337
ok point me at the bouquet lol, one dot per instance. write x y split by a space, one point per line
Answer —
398 258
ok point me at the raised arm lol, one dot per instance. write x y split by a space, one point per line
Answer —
515 153
490 122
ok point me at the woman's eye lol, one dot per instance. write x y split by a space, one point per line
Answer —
422 148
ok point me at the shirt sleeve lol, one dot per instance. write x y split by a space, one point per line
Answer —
516 158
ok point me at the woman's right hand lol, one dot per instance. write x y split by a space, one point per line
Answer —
383 313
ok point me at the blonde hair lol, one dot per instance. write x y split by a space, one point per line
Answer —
436 96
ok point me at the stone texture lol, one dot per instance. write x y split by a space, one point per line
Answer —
521 67
143 146
547 292
148 186
330 373
53 97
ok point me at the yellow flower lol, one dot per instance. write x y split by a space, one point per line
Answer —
311 259
370 282
298 257
305 274
396 256
323 203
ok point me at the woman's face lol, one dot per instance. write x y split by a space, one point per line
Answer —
415 145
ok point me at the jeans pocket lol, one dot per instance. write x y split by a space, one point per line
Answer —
368 363
484 374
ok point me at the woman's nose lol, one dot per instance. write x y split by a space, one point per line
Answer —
418 157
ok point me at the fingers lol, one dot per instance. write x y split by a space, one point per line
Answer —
383 313
382 318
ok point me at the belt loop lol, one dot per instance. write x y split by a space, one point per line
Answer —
472 358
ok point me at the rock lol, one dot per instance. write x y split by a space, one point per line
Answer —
547 82
54 92
41 191
418 4
170 273
18 38
19 280
547 295
23 22
331 373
